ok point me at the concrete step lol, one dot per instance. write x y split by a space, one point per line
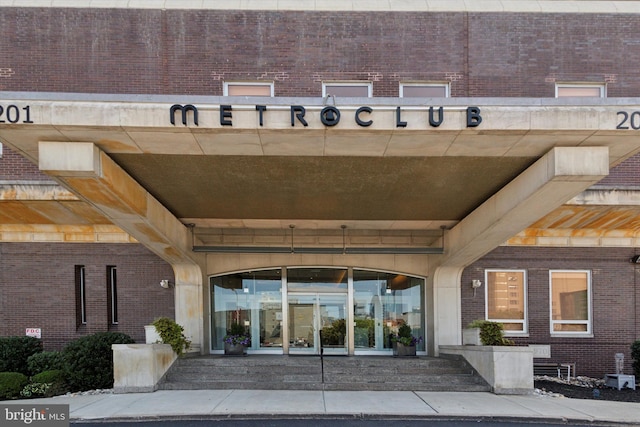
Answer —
271 372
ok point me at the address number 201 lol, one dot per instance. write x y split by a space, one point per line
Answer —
629 120
14 114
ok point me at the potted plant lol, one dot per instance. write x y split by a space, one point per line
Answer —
236 341
404 344
171 333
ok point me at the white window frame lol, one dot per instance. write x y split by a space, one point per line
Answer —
447 88
369 86
524 321
601 86
589 322
225 86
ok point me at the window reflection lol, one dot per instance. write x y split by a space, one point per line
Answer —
382 302
252 299
570 305
317 301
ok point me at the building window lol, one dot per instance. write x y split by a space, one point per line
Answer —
308 310
424 90
580 90
506 299
112 295
81 297
570 296
251 299
348 89
248 89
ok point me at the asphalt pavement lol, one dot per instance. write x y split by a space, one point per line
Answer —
217 404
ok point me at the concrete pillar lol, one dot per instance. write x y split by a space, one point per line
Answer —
189 300
553 180
88 172
447 307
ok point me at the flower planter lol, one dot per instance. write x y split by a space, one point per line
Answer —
401 350
235 349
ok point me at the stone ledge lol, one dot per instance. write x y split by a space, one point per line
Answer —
137 368
507 369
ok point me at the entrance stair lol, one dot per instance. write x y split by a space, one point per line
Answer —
267 372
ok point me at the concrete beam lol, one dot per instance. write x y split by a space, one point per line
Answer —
554 179
88 172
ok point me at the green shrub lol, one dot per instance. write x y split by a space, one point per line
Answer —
52 376
47 384
14 352
45 361
89 360
635 355
491 333
11 384
35 390
173 334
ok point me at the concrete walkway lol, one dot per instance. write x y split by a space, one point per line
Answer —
212 404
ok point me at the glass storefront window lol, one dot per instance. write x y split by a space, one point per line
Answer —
383 302
317 279
252 299
318 311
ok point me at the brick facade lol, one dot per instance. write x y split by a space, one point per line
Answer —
38 288
615 299
14 167
194 51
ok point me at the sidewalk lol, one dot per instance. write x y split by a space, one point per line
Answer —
212 404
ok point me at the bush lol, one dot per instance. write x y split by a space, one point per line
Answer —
35 390
11 384
47 384
89 360
635 355
171 333
491 333
14 352
45 361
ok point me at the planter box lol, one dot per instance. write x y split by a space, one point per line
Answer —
471 336
235 349
401 350
507 369
151 335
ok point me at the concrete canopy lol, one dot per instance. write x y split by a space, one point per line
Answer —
246 176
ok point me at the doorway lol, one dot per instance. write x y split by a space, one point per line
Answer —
318 322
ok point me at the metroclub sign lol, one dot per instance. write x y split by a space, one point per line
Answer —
329 115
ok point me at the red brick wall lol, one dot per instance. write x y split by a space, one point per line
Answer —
626 174
14 167
193 51
38 289
615 297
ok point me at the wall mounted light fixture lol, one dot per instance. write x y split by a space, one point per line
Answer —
164 283
475 284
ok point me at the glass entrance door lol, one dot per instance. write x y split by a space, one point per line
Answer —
318 320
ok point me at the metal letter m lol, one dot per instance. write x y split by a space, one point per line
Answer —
184 109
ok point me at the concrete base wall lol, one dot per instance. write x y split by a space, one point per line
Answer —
508 370
137 368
